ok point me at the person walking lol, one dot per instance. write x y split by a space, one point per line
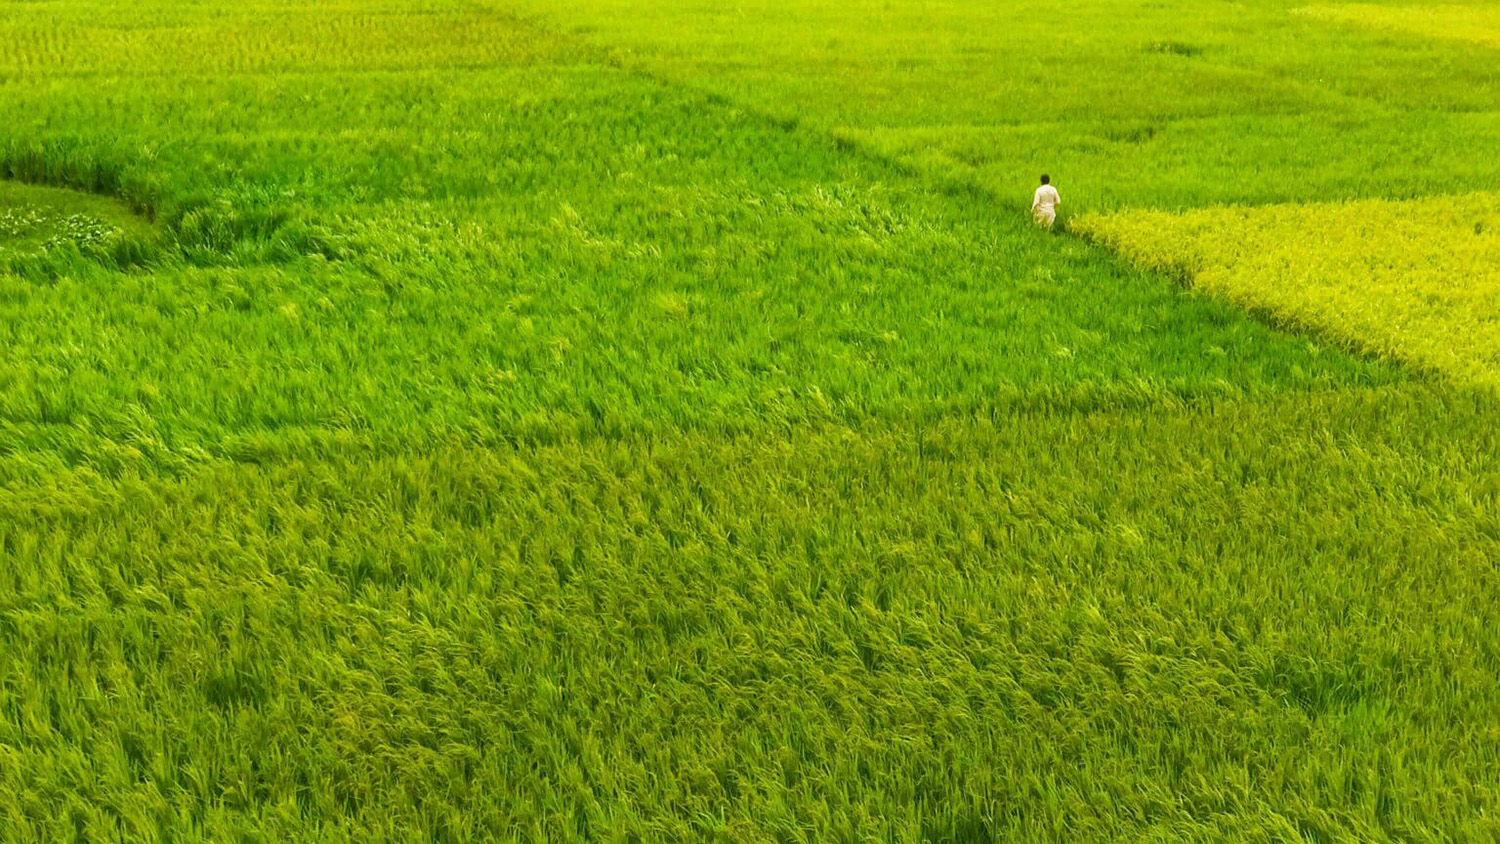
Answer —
1044 204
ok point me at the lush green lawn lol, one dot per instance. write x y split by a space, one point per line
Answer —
524 433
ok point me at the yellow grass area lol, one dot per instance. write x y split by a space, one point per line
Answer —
1415 279
1479 24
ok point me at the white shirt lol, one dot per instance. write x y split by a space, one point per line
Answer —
1046 199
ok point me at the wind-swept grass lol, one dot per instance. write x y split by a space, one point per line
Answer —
665 264
514 437
1253 103
1258 620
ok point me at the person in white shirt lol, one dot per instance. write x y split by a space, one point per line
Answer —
1044 204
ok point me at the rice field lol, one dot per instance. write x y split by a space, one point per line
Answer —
1478 24
1417 280
601 422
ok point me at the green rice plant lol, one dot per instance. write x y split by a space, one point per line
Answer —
492 287
672 432
1269 102
1212 623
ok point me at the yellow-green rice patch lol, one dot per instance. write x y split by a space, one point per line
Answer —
1417 279
1475 24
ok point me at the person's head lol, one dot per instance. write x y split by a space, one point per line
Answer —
1046 179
